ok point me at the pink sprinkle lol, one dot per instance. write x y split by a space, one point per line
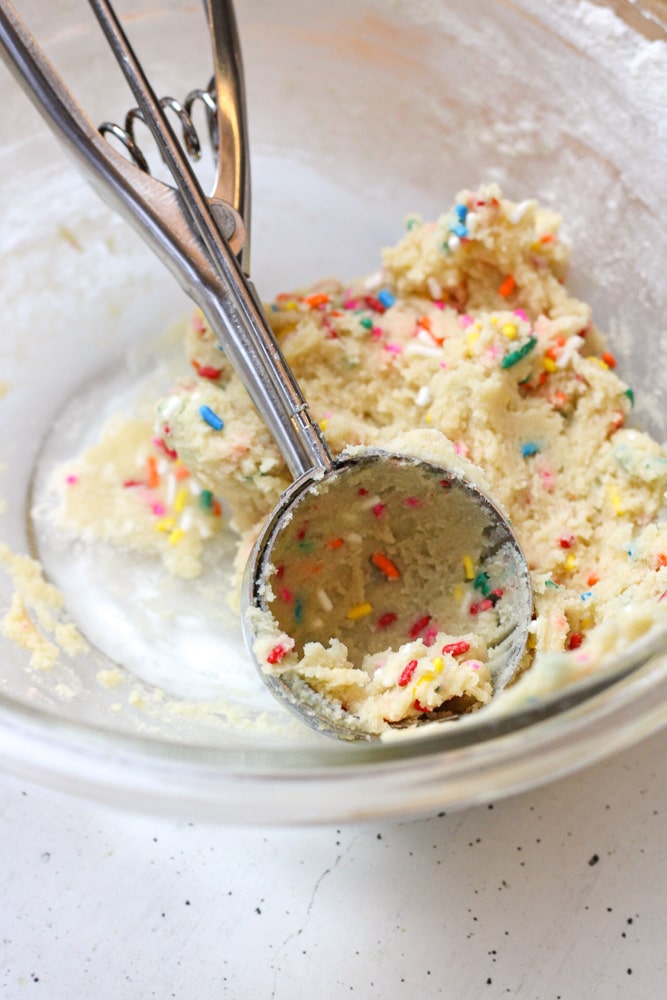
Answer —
461 449
466 320
350 303
394 348
377 332
439 304
522 314
158 509
285 594
429 636
547 477
71 479
413 502
378 509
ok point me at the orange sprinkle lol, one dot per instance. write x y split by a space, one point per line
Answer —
335 543
180 471
547 238
661 559
318 299
216 508
507 286
425 323
593 579
385 565
152 475
609 359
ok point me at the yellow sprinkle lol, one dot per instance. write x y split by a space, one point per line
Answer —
290 305
549 365
438 665
175 536
586 623
473 336
324 424
165 524
428 418
570 562
600 362
509 330
615 499
458 592
181 499
494 320
425 678
469 568
359 611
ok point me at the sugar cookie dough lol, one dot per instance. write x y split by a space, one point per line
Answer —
467 331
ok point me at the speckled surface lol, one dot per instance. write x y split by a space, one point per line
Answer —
556 894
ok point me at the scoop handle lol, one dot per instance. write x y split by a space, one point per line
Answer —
179 226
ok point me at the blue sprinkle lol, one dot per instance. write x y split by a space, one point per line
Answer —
529 448
461 211
386 297
211 418
298 610
584 597
458 229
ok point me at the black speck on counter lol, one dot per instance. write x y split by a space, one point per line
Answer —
593 860
258 910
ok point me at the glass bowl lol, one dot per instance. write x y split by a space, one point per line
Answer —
360 113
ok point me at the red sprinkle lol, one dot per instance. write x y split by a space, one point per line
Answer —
419 626
407 674
285 594
277 654
413 502
169 452
484 605
575 640
133 482
567 541
206 371
374 304
422 708
456 648
378 509
387 619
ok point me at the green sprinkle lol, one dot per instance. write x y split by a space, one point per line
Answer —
514 357
206 499
481 582
631 396
367 323
551 583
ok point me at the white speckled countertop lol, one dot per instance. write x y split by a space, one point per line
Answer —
556 894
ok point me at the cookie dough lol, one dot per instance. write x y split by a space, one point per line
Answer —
468 331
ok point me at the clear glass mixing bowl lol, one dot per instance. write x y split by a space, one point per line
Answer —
360 113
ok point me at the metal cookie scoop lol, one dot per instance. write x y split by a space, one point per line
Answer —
368 552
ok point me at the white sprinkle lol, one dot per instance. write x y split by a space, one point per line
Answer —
571 347
434 288
170 406
424 397
324 600
354 538
186 519
423 351
373 281
171 488
162 466
195 488
471 222
518 212
453 242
